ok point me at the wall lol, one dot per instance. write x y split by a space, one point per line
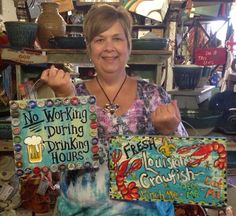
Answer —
8 11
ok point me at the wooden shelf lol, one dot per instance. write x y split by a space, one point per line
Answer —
89 3
137 57
60 56
156 26
150 57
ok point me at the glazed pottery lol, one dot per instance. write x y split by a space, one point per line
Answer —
21 34
187 76
68 42
149 43
50 24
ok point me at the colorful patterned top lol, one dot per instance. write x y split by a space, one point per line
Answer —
87 193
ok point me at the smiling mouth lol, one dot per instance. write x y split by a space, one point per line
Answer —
110 58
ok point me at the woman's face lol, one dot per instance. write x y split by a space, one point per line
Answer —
109 50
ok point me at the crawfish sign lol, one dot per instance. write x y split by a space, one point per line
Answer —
184 170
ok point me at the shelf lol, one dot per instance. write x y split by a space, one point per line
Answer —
137 57
204 20
156 26
79 27
150 57
89 3
191 99
60 56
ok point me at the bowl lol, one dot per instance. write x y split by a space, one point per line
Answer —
187 76
65 42
149 44
21 34
199 122
200 118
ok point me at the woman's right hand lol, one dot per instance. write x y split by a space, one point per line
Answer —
166 118
59 81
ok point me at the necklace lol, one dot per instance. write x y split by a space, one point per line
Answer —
111 107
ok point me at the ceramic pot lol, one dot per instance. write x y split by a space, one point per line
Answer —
187 76
21 34
68 42
50 24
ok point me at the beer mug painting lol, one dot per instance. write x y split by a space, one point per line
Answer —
34 148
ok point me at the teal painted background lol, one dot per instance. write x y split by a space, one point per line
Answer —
65 131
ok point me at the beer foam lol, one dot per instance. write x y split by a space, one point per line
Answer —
34 140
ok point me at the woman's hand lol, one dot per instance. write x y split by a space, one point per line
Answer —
166 118
59 81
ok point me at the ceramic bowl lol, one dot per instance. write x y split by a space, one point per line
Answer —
65 42
199 122
187 76
21 34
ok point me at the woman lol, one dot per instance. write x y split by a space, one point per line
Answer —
125 105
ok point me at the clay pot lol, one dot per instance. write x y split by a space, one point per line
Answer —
50 24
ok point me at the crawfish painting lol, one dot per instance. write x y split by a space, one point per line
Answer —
169 168
203 151
130 191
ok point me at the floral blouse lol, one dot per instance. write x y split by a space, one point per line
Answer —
88 192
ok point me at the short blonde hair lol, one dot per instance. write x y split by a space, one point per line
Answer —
101 17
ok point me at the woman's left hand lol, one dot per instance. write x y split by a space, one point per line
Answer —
166 118
59 81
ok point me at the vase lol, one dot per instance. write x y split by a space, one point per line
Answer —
50 24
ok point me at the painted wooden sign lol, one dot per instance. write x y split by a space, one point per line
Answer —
210 56
155 9
25 56
54 134
182 170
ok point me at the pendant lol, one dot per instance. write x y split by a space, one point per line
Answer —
111 108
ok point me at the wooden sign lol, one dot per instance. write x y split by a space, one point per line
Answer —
210 56
54 134
182 170
25 56
65 5
155 9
